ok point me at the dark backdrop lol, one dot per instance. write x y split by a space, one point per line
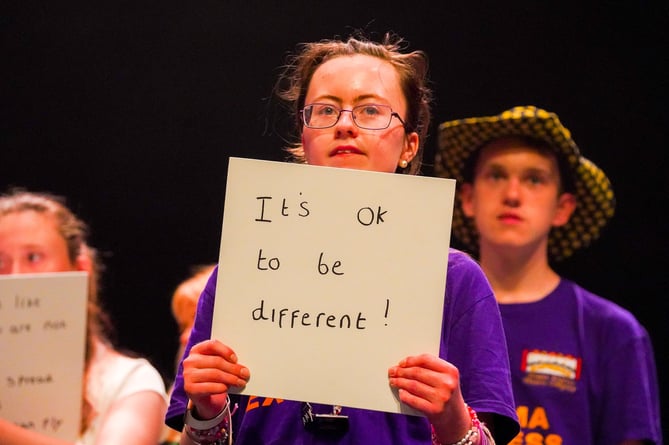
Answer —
131 109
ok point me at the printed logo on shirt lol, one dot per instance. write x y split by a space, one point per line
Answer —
545 368
257 402
535 428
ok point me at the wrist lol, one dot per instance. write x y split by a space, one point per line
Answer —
206 431
207 411
198 422
471 437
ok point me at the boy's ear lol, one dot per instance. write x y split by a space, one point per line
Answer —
565 208
466 199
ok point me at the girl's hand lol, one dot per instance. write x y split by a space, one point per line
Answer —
209 371
431 385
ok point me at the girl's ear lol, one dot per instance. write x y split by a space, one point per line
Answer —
565 208
84 262
411 147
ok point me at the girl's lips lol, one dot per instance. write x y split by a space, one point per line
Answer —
345 150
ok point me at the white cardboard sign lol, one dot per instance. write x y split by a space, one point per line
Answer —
42 339
329 276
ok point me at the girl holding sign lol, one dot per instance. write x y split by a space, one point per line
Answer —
124 397
363 105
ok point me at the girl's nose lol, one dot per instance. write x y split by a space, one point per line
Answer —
346 124
16 268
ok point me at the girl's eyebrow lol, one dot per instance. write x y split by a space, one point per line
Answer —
356 99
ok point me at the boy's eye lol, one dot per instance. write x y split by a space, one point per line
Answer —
495 174
535 179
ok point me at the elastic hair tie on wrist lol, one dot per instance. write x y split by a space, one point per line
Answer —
212 431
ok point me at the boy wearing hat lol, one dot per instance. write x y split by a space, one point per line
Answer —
582 367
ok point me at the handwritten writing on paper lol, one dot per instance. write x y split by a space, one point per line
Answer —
42 339
330 276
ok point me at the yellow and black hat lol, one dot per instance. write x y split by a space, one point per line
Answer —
459 139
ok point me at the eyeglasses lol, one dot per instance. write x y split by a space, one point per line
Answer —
368 116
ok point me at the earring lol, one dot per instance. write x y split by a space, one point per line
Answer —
403 163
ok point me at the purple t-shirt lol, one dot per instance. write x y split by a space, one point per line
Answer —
472 339
583 370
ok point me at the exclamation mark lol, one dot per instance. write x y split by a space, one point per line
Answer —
387 307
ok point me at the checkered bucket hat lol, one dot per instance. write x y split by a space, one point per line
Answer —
459 139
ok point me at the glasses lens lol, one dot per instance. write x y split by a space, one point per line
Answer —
369 117
372 117
320 115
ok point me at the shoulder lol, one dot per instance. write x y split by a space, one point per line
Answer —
464 275
458 258
209 291
132 374
603 313
467 289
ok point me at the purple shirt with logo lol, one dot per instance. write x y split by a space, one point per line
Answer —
583 370
472 339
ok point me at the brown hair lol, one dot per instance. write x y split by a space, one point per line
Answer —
412 68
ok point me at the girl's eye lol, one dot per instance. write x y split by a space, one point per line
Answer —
34 257
369 110
327 110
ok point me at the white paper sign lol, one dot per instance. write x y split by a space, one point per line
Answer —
42 339
329 276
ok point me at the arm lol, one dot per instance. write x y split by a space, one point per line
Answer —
474 342
472 365
134 420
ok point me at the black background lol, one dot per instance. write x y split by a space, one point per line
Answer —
131 109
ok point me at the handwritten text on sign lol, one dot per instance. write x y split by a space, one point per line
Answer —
42 339
330 276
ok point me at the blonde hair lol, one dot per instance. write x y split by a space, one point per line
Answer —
187 294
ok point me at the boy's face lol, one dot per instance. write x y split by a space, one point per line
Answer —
515 196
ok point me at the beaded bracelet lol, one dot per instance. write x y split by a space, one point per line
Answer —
209 432
469 437
486 435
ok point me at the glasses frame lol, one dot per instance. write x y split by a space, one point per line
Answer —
341 110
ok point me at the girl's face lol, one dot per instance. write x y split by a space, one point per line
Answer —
346 82
515 196
30 243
